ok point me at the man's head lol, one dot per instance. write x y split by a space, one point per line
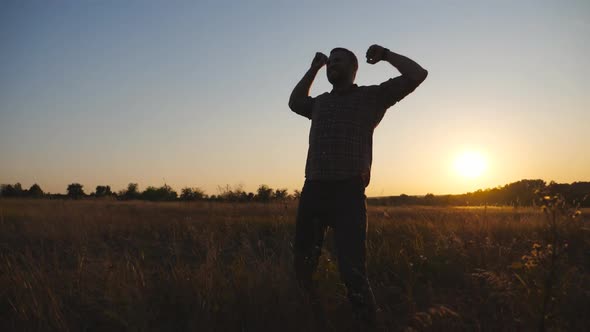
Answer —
342 66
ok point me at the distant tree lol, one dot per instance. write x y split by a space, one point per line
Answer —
429 199
243 196
404 199
167 193
102 191
446 200
164 193
75 190
132 190
280 194
130 193
296 194
7 190
579 193
192 194
150 193
35 191
15 190
235 194
264 193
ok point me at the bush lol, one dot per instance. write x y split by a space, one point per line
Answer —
102 191
164 193
35 191
192 194
131 193
76 190
264 193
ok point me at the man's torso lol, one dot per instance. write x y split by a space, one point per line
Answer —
341 135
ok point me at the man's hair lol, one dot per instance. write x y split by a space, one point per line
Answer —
351 55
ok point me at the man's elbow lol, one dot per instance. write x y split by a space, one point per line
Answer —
424 74
420 76
292 105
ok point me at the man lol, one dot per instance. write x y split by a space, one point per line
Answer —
338 164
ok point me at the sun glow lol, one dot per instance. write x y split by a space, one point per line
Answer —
470 164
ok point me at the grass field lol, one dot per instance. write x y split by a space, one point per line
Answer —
111 265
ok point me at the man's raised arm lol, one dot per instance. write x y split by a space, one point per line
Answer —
395 89
300 102
406 66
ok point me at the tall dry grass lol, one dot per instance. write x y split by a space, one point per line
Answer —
108 265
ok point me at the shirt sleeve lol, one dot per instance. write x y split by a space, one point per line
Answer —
303 106
390 92
394 90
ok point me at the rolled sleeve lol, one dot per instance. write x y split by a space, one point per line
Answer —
394 90
303 106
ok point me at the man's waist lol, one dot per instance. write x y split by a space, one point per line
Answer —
335 180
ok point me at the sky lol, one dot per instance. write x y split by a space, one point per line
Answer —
194 93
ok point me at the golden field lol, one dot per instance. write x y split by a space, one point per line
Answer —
104 265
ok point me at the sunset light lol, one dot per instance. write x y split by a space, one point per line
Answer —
295 166
470 164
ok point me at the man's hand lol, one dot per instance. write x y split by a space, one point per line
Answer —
319 61
376 53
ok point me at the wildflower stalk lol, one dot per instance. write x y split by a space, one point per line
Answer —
551 274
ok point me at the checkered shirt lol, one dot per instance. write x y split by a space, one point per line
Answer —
342 125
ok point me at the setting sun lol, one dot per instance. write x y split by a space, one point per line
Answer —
470 164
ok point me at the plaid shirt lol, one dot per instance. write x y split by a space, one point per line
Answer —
341 134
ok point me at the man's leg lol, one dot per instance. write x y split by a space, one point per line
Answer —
309 237
350 235
308 247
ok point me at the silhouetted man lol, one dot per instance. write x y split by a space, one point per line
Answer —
338 164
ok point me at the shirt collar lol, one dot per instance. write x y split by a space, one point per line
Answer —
345 91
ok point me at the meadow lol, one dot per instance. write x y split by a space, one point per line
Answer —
105 265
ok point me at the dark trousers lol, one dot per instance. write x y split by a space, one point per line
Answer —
341 205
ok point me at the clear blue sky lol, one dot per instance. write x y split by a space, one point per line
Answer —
195 93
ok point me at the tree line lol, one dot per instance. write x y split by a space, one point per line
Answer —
520 193
264 193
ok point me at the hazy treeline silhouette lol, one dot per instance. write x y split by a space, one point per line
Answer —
264 193
520 193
